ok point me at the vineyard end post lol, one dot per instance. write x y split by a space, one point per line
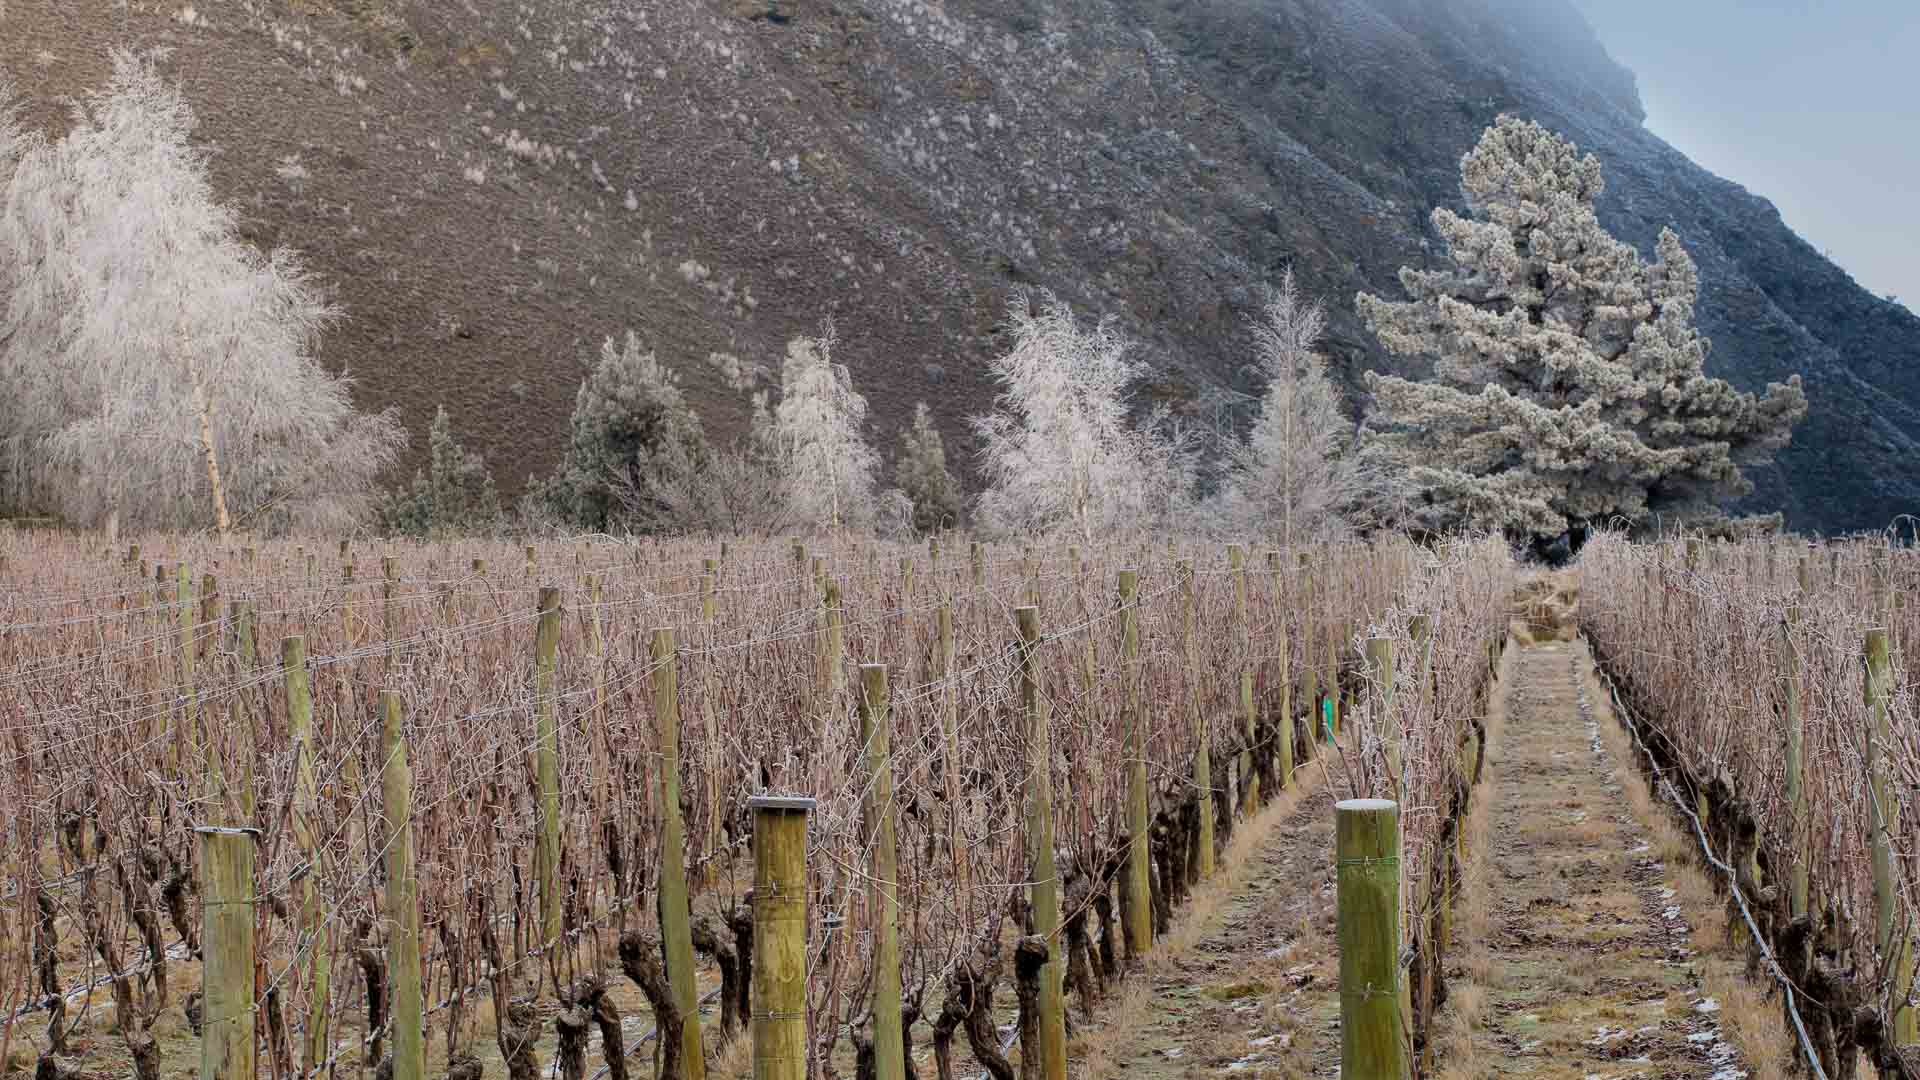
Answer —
1372 1039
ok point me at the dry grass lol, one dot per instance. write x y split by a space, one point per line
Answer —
1546 608
733 1059
1454 1025
1749 1017
1096 1051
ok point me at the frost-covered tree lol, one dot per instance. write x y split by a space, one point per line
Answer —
1568 375
453 496
1059 453
687 487
629 418
921 474
818 424
1299 474
153 365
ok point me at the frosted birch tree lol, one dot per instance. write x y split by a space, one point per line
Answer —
1058 452
817 423
1569 382
1298 474
153 365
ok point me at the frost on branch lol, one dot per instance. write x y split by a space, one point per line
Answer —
1058 453
152 363
632 431
818 424
453 496
921 474
1299 474
1568 375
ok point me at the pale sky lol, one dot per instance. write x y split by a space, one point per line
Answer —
1813 104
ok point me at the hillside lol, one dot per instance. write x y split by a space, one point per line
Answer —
491 187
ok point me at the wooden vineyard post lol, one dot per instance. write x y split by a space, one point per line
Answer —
1796 764
675 934
709 695
304 821
1380 668
1309 674
189 714
403 899
1243 628
1045 903
979 563
1137 918
546 642
950 740
1420 628
779 936
530 562
883 889
389 585
1335 713
1891 942
1367 865
226 936
1283 676
238 805
597 650
1202 757
836 645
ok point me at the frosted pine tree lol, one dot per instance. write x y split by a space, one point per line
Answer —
630 421
1298 474
1059 453
1568 379
453 496
153 364
921 474
817 423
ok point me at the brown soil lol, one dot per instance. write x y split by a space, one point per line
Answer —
1592 971
1586 965
1251 987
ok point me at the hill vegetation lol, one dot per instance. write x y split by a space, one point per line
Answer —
489 191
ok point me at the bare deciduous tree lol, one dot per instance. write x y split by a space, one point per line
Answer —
153 364
1059 452
818 422
1300 473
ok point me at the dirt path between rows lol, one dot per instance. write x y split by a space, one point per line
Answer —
1592 972
1586 964
1254 992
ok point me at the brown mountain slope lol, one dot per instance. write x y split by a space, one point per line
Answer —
492 187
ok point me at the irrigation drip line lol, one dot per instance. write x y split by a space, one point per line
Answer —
1733 884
